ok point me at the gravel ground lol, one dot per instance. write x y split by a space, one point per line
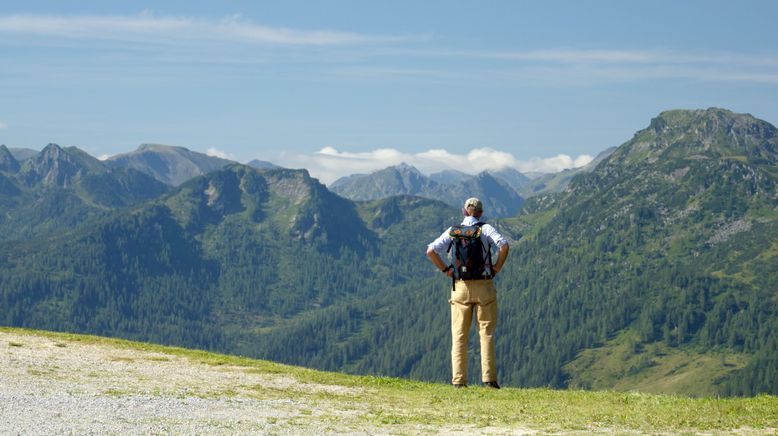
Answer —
52 387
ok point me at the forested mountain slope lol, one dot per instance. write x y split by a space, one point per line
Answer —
261 262
657 270
666 252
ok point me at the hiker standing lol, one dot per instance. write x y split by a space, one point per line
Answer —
472 271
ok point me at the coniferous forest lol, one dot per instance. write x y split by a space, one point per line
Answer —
657 268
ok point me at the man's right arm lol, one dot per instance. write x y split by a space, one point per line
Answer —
435 258
501 260
432 252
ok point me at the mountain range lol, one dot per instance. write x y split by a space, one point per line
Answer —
653 270
453 188
502 190
61 188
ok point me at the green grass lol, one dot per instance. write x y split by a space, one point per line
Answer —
624 364
392 401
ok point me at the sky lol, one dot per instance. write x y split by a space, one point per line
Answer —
342 87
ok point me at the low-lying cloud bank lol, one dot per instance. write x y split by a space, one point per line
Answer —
329 164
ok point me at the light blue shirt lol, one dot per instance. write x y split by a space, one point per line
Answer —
489 236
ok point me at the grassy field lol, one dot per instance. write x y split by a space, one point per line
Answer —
391 405
656 368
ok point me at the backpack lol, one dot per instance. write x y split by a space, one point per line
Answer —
470 255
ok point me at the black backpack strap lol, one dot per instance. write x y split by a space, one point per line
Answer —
479 224
489 255
453 267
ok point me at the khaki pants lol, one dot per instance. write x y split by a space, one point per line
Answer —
469 296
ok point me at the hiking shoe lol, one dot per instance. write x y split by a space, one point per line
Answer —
492 385
459 385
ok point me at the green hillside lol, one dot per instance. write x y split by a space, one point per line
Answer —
115 386
662 258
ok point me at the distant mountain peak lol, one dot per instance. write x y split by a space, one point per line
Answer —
159 147
55 166
8 162
403 167
169 164
51 149
261 164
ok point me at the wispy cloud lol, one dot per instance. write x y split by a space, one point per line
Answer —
233 28
3 125
583 66
218 153
214 41
604 56
329 164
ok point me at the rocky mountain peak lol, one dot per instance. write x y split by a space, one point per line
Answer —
8 162
701 134
404 169
55 166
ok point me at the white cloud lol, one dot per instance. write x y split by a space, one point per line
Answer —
218 153
3 125
104 157
553 164
151 27
329 164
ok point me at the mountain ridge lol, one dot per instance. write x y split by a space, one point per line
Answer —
172 165
60 188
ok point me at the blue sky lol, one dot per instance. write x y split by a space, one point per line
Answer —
351 86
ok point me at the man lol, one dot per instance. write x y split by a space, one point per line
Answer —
472 293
